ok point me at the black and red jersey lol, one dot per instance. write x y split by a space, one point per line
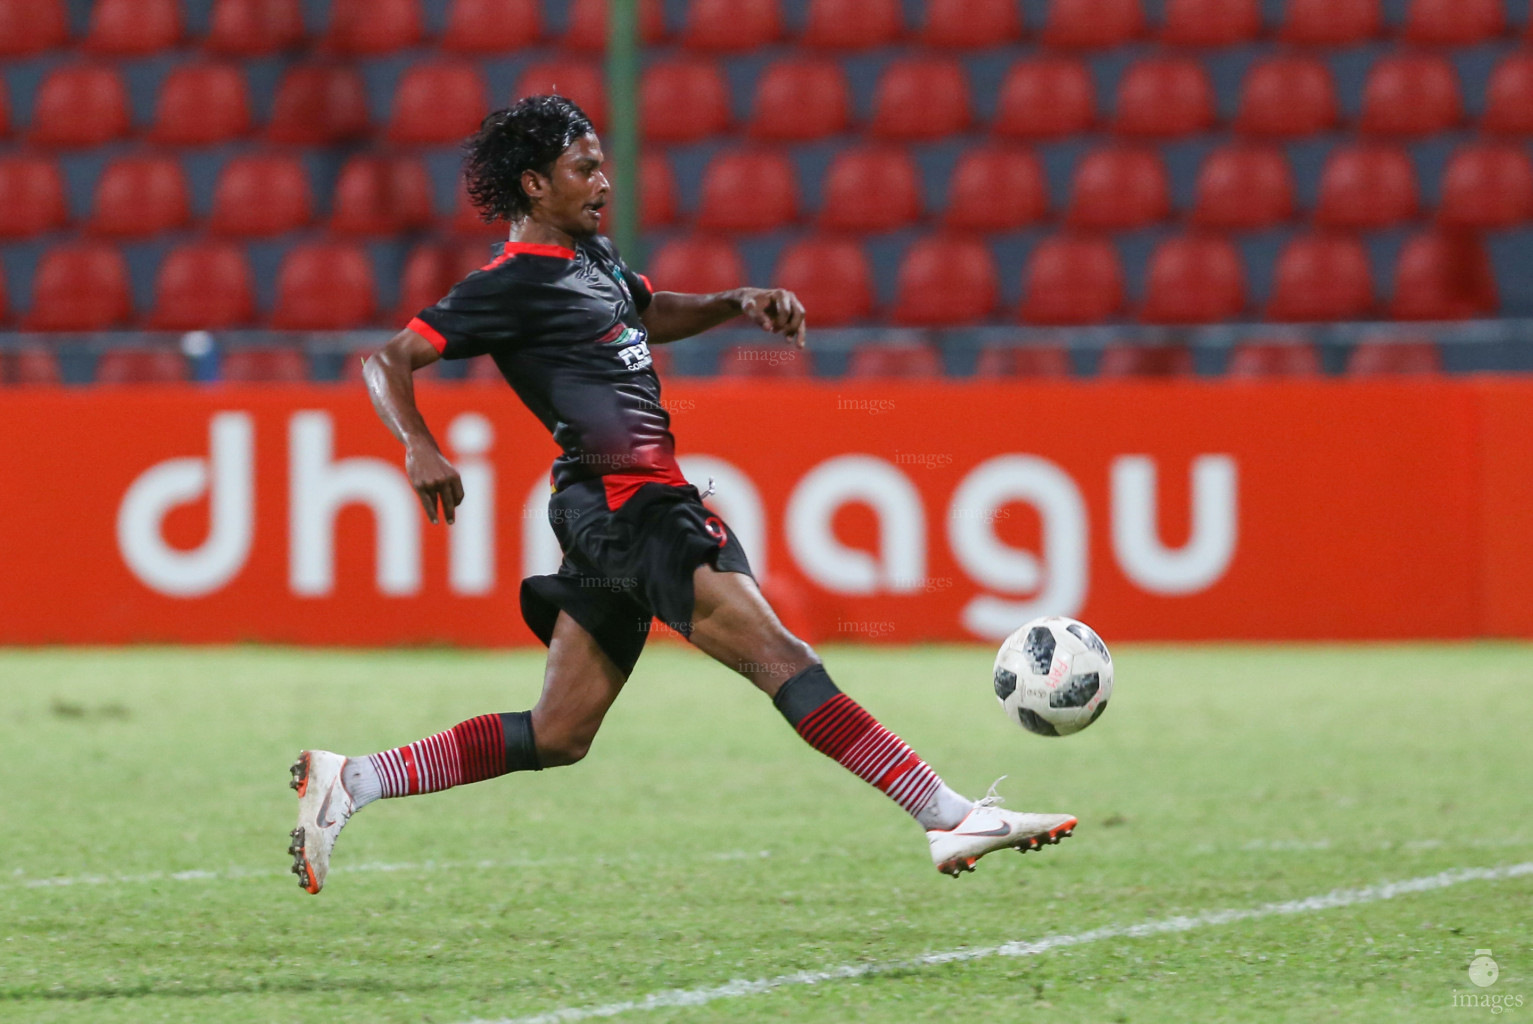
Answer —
563 326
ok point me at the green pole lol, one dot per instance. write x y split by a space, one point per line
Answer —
622 138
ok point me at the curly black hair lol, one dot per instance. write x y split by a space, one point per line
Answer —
528 135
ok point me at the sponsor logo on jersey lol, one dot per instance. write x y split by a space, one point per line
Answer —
632 346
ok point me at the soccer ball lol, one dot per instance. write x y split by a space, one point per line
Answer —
1053 676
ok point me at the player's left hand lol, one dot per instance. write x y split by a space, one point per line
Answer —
775 309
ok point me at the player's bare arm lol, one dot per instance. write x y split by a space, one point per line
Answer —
672 316
390 377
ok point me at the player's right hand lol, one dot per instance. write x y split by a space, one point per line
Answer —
434 480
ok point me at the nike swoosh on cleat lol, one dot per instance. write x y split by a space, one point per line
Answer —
1000 830
323 811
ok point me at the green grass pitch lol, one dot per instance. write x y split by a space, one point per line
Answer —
144 816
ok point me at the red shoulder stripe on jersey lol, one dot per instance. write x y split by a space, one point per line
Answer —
428 332
520 248
647 284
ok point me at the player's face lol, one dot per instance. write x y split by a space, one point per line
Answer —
577 189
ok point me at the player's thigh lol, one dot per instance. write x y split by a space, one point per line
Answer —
580 682
733 624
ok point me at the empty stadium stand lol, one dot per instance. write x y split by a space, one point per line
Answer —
185 164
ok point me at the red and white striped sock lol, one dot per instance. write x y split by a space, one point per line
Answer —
841 729
470 751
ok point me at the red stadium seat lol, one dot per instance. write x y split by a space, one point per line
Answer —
1046 98
831 277
1252 359
748 190
700 264
999 188
33 366
578 80
1488 185
133 28
31 196
764 361
1194 279
1367 186
1119 189
1093 24
946 280
871 189
1411 94
141 366
1322 277
890 359
1443 275
801 98
80 105
431 270
491 26
853 24
588 25
378 195
1164 97
203 286
32 26
261 195
201 104
467 221
79 286
438 103
1244 188
1509 97
1023 361
730 25
921 98
138 196
657 191
1287 97
1072 280
360 27
1211 22
683 101
324 286
1332 22
267 364
1454 22
319 104
1124 360
254 28
971 24
1394 358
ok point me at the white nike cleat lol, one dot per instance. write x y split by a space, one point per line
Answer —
324 807
987 827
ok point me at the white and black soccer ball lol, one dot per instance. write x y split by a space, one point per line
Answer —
1053 676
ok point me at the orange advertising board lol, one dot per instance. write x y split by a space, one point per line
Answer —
873 511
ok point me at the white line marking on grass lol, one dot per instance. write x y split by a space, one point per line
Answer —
1158 926
386 867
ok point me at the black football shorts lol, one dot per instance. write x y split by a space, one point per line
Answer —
623 568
